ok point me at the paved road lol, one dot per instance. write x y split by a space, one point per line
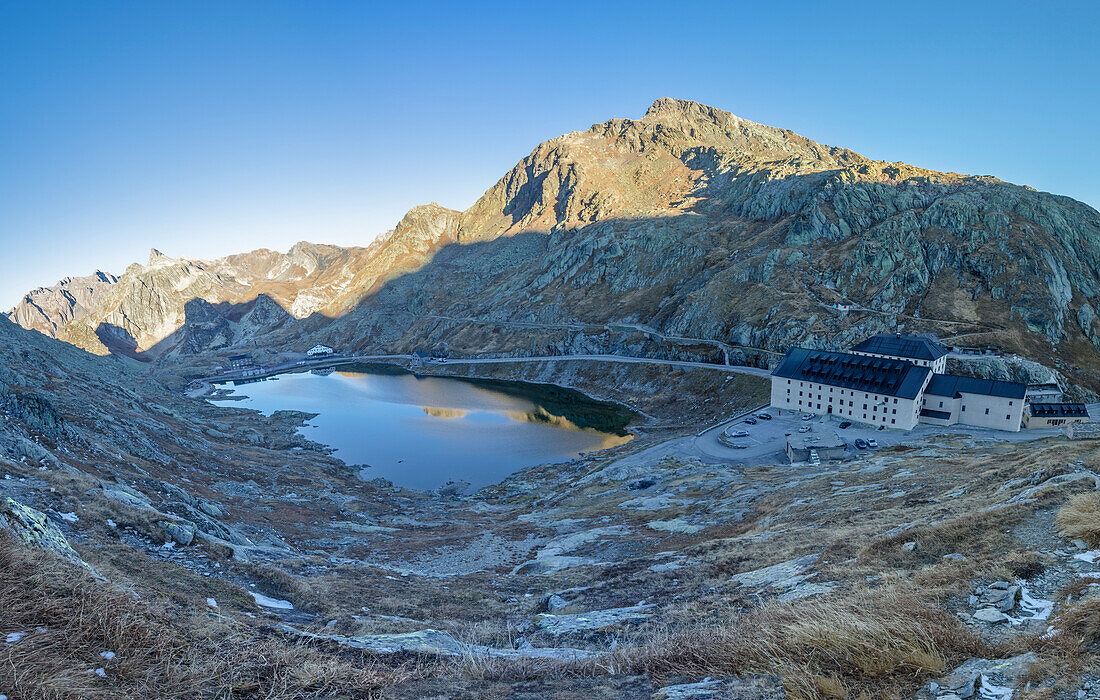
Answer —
297 364
756 371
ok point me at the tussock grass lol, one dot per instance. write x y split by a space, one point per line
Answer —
71 617
876 641
1079 518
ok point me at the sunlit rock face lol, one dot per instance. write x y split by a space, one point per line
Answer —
691 220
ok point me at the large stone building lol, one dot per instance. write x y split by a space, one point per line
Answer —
893 381
867 389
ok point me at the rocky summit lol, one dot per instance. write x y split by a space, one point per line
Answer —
159 539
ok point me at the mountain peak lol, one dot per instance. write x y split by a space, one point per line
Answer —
670 106
156 256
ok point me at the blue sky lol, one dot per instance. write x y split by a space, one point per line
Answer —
205 128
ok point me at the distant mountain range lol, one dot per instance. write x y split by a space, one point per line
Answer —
690 221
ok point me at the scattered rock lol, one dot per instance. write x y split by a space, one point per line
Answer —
436 643
181 534
558 625
553 603
991 615
766 687
909 546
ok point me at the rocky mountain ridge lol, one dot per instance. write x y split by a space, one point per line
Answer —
691 221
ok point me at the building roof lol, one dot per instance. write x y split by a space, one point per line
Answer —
815 441
1058 410
234 358
953 384
917 347
871 374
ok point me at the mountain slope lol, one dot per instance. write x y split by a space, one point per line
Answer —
691 221
47 309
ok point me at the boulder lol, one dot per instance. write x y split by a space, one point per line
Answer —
181 534
991 615
34 529
553 602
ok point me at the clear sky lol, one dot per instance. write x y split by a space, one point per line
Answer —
205 128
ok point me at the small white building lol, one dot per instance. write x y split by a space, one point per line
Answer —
986 403
319 351
923 350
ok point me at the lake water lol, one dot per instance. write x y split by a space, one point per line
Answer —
420 432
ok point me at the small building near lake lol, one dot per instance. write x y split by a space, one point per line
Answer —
319 351
241 361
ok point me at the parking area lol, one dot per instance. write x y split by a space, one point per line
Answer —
766 440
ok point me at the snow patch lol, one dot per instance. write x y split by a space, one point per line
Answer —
14 637
69 517
266 602
1090 556
212 603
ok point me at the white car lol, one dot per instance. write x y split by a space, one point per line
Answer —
740 433
872 443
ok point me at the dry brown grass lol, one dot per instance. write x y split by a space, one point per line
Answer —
161 652
1079 518
876 641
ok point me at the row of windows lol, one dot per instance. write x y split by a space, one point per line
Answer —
841 392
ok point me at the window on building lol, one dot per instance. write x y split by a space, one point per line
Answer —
893 421
1009 403
1009 417
864 407
964 407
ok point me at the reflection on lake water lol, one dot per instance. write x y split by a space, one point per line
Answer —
420 432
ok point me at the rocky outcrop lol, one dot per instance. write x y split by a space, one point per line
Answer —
33 529
47 309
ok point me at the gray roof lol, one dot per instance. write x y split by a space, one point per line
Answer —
918 347
815 441
871 374
1058 410
953 384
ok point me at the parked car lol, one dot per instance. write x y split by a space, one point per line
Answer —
750 421
807 417
738 445
846 424
872 443
765 416
861 444
740 433
804 429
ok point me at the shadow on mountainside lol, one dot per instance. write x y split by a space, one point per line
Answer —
752 261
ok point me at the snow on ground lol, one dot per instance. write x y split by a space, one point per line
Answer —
264 601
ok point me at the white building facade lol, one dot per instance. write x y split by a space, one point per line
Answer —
875 391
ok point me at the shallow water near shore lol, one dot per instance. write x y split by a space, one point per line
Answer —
420 432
